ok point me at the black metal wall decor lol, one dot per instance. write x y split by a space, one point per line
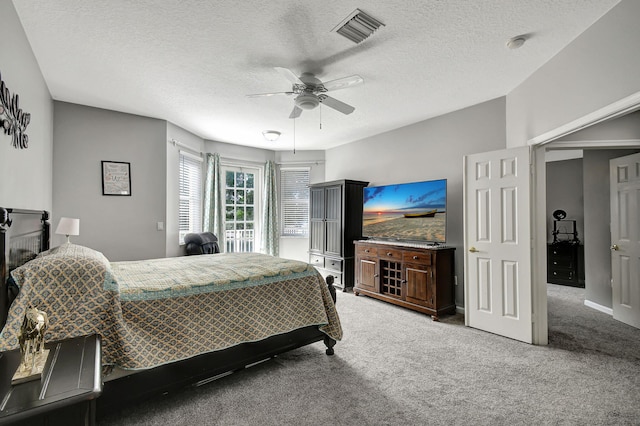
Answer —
13 120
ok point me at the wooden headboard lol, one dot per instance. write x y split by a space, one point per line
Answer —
23 234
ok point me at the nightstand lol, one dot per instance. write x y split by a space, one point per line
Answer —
66 394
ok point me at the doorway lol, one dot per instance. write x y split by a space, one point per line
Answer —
602 139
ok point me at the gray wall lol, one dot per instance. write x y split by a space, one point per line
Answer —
25 174
122 227
431 149
564 192
598 68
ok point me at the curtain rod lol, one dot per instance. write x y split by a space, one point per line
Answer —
186 147
241 161
300 163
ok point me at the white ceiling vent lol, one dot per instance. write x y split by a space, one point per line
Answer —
357 26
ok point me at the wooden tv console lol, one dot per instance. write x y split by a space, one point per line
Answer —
418 278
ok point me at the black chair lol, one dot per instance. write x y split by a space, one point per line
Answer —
201 243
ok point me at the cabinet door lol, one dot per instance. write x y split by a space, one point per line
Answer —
316 220
333 220
367 273
419 280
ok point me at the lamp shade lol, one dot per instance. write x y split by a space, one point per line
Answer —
68 226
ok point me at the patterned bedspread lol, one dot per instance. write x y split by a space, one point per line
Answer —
162 310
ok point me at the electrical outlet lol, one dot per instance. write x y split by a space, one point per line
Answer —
455 279
160 226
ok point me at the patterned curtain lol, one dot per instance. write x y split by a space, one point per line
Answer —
270 237
213 205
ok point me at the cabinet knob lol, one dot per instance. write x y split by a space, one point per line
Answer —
415 257
389 254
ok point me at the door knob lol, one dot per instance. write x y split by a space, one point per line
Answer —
473 250
615 247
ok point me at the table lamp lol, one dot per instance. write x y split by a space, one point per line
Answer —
68 226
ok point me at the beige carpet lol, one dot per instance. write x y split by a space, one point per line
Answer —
397 367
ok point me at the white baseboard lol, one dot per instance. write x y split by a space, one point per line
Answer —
598 307
459 309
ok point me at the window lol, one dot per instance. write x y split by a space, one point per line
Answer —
294 196
242 201
190 182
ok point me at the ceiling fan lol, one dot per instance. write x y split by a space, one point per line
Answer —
310 92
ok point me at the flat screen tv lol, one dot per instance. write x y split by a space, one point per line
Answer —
411 212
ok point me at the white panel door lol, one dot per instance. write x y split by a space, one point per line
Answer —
498 251
625 238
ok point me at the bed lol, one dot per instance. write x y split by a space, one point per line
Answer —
173 321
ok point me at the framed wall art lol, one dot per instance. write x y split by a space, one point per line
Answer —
116 178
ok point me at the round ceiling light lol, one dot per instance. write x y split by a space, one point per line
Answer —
307 101
271 135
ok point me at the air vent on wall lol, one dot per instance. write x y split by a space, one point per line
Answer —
357 26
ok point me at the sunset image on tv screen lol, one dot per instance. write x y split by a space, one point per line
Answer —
409 211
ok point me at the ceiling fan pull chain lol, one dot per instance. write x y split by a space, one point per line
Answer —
320 116
294 136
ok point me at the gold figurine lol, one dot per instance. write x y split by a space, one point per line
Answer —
33 355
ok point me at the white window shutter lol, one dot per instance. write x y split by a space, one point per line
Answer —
190 210
294 189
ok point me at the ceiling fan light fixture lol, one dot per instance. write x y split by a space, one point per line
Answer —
271 135
307 101
358 26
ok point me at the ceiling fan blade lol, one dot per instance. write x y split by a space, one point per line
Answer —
295 113
257 95
341 83
336 104
289 75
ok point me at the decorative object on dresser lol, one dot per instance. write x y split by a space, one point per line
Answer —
565 255
335 222
418 277
33 355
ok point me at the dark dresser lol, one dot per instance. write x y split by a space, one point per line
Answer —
565 264
66 394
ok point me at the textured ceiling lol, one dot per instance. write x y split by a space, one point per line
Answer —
192 62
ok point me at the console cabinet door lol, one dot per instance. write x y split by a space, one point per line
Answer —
316 220
419 280
333 220
368 274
